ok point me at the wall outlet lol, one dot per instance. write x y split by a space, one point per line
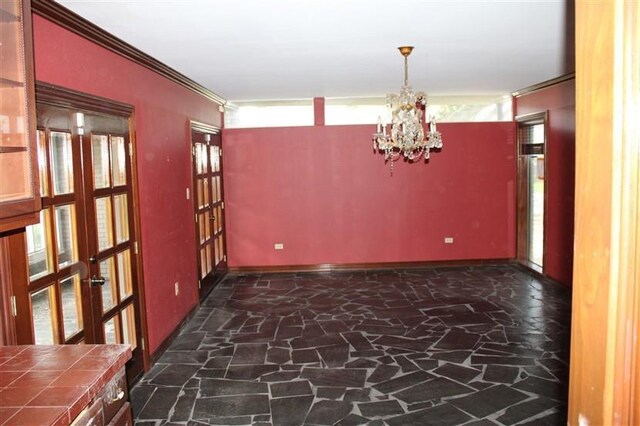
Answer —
448 240
278 246
177 287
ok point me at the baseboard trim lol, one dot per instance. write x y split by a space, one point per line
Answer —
325 267
162 348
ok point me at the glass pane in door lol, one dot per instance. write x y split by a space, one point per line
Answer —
536 208
100 161
66 235
129 326
111 330
103 223
71 305
109 292
122 217
61 163
124 274
42 307
38 247
118 161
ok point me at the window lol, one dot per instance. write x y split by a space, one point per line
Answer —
269 114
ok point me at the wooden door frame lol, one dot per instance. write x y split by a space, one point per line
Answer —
197 126
61 97
604 386
521 234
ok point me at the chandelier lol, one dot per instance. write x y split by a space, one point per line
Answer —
406 136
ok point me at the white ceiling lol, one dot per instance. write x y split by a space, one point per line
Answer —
293 49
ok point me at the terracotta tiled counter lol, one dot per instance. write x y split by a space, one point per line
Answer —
64 384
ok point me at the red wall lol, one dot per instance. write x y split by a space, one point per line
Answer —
559 100
324 194
162 111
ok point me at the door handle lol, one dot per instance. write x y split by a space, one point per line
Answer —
96 281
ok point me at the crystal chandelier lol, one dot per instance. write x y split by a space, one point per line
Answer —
406 136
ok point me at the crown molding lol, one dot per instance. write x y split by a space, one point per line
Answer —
65 18
544 84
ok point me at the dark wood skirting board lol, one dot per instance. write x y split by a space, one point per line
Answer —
324 267
543 84
62 16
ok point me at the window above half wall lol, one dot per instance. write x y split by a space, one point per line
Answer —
345 111
278 113
444 108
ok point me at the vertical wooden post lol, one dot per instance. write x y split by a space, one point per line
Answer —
605 377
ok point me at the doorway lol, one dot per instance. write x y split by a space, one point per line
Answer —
208 204
531 196
83 283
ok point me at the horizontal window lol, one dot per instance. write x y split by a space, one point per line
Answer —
268 114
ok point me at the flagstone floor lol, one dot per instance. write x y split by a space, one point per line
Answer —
481 345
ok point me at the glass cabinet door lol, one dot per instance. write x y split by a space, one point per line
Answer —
19 197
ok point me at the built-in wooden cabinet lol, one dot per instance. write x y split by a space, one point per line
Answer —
19 180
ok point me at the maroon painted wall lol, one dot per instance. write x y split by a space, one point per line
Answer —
162 111
324 194
559 101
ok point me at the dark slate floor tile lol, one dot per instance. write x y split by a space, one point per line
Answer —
548 388
440 415
327 412
500 374
334 356
290 389
483 422
175 375
457 340
403 382
160 403
249 354
357 395
248 372
218 362
304 356
488 401
184 357
439 387
380 409
229 406
457 357
526 410
427 364
552 419
335 377
457 372
291 411
280 376
382 373
139 396
329 392
215 387
278 355
353 420
357 341
184 406
346 327
501 360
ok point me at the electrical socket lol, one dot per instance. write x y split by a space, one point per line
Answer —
278 246
177 287
448 240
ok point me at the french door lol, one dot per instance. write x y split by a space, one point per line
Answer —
531 190
208 202
82 255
